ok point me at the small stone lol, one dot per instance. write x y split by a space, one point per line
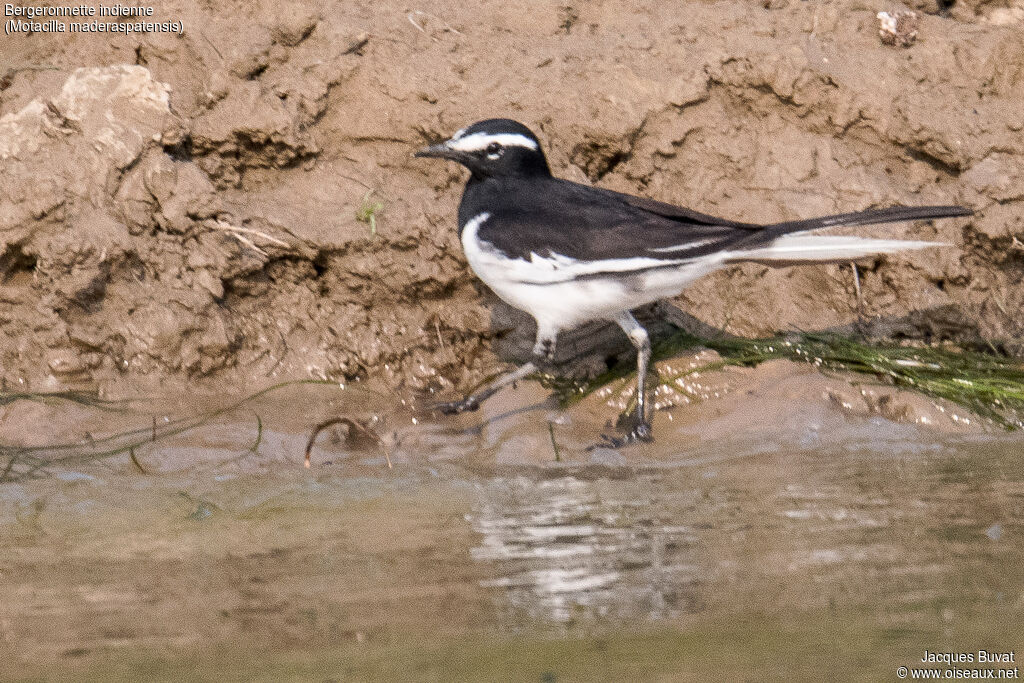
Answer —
898 28
65 362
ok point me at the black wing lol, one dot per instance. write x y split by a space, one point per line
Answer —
672 211
554 216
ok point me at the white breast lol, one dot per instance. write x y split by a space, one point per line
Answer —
552 288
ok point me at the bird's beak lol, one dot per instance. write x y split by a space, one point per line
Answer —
440 151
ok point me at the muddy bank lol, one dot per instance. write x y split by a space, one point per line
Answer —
178 208
706 412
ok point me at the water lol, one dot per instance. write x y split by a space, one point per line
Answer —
815 543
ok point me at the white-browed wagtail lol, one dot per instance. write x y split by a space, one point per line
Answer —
567 253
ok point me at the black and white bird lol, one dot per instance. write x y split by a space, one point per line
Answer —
567 253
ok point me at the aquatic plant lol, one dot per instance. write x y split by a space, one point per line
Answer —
22 462
990 385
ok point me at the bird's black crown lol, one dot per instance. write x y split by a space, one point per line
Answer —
493 148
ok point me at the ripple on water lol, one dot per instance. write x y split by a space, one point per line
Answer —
561 550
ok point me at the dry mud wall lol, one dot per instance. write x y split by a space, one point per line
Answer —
176 208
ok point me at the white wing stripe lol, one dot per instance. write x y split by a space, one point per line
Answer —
681 247
490 264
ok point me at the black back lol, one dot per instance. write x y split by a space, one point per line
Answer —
546 215
533 212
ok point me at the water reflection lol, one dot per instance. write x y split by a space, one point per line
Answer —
563 551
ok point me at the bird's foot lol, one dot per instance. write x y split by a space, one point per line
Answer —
466 405
544 349
641 433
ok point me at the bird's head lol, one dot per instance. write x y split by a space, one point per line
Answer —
493 148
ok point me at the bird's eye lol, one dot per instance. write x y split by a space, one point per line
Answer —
494 150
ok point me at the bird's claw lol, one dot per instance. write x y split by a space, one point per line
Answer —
641 433
466 405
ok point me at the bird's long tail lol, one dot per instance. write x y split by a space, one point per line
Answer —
795 249
893 214
787 243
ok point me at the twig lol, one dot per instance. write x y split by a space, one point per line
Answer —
358 44
413 21
269 238
354 427
259 434
213 45
236 230
135 460
860 299
440 340
446 25
554 444
354 180
249 243
10 466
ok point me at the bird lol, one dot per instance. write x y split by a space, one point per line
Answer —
568 253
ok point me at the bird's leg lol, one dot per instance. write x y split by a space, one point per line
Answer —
473 401
641 430
543 350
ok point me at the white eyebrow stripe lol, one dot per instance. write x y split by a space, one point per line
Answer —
479 141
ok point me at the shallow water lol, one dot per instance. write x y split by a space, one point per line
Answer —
766 535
